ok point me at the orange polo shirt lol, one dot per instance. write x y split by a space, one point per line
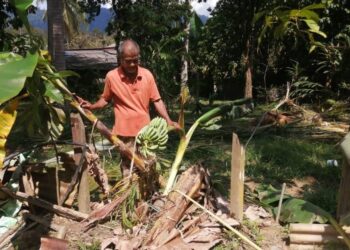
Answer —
131 99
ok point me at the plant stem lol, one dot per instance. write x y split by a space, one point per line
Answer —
184 141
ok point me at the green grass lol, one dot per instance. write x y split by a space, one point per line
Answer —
274 159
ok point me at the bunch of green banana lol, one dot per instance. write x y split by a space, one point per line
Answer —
153 137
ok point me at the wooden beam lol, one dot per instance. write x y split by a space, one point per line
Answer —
343 207
63 211
237 179
301 228
78 136
313 238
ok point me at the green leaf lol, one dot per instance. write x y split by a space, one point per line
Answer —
319 33
268 195
301 211
53 93
7 57
312 24
312 48
315 6
66 73
21 7
309 14
14 74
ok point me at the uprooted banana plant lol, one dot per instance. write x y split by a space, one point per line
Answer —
185 138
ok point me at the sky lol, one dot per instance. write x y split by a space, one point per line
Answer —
200 8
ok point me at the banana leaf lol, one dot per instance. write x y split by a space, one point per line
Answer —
14 74
7 119
300 211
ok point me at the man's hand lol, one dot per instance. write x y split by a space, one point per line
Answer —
83 103
174 124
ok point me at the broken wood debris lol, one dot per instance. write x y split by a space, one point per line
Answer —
178 222
61 230
63 211
51 243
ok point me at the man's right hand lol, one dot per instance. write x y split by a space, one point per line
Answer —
83 103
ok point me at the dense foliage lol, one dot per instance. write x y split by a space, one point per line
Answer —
303 42
245 48
10 38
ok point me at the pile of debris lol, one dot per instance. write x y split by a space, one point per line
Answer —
190 217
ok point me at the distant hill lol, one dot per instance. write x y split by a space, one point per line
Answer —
36 20
203 18
100 23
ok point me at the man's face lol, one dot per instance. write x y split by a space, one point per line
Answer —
129 62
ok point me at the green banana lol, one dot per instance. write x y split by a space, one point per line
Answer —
153 137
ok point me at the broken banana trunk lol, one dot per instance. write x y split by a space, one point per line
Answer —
175 206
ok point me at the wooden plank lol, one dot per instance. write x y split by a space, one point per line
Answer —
301 228
237 178
343 207
78 136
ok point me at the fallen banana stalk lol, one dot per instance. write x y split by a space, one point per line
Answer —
243 237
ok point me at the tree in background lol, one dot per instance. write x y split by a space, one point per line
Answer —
310 37
264 39
56 34
11 39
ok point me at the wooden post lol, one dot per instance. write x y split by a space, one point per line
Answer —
344 191
237 178
78 136
343 207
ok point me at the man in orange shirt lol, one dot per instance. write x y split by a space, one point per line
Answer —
132 88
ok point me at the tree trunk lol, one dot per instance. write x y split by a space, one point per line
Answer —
248 87
184 61
248 39
56 33
49 27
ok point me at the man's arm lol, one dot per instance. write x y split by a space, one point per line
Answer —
161 109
